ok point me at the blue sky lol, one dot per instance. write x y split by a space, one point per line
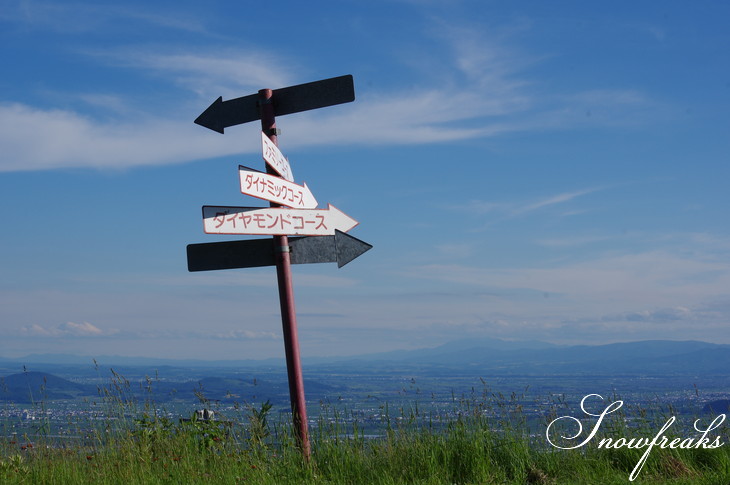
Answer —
525 170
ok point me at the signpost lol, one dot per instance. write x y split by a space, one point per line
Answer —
327 241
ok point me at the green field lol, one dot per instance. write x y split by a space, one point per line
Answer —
484 439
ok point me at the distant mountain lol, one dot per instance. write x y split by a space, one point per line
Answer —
635 358
453 349
478 356
38 386
120 360
540 358
465 357
28 387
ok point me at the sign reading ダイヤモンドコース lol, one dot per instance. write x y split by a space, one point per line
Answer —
275 221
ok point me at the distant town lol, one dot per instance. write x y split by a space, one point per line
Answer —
373 393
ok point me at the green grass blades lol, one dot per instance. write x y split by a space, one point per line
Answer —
485 439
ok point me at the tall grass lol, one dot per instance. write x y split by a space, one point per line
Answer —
483 438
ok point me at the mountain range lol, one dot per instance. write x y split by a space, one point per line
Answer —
223 379
650 357
486 354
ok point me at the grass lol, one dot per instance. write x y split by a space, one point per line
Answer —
484 439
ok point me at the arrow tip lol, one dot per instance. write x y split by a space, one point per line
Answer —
210 117
348 248
345 222
309 199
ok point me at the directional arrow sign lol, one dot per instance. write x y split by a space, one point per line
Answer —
275 189
302 97
274 221
275 158
340 248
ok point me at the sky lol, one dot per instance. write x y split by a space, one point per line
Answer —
524 170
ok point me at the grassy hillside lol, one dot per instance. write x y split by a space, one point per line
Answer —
483 440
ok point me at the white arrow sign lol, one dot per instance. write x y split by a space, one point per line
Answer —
274 221
275 158
275 189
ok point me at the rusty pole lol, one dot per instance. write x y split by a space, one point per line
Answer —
286 300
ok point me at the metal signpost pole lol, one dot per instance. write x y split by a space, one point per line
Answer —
286 299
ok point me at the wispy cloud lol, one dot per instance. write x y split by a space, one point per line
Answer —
487 61
73 17
509 210
240 335
225 72
654 279
260 278
485 92
40 139
572 241
68 329
555 199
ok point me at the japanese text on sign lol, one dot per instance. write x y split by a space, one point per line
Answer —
276 159
275 189
275 221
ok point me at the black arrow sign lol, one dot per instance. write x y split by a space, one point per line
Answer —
302 97
340 248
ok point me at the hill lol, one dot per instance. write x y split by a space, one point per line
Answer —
259 380
36 386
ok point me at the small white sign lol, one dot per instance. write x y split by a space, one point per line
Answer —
275 158
275 189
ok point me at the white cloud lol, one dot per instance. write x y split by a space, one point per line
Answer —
69 17
42 139
486 61
242 335
402 118
68 329
573 241
37 139
224 73
648 279
658 316
260 278
482 96
81 329
509 210
555 199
